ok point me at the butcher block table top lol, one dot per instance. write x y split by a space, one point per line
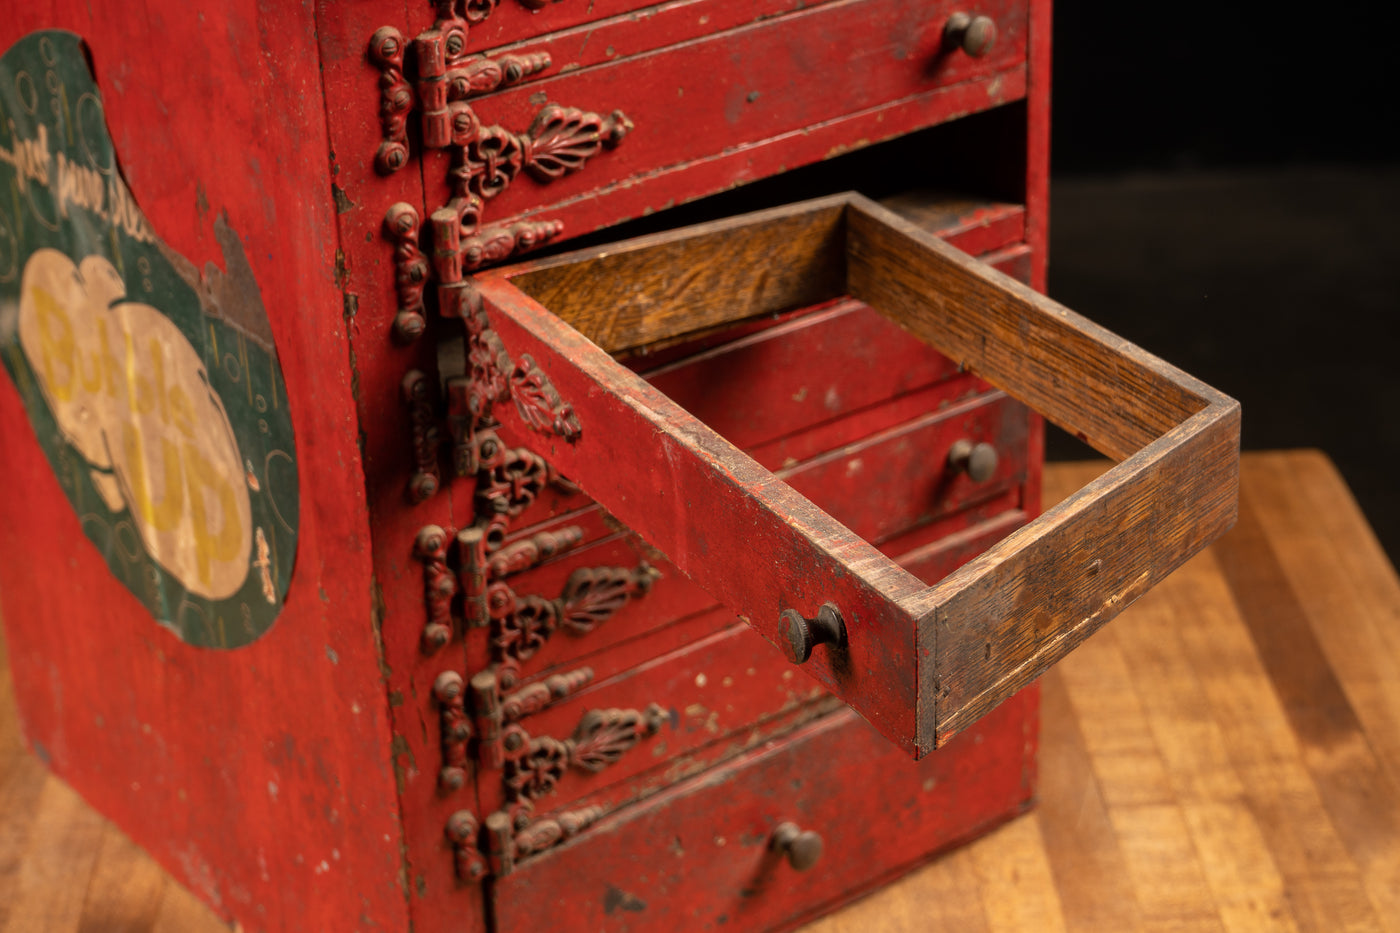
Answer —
1224 756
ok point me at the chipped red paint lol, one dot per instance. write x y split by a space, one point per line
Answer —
260 777
294 784
699 855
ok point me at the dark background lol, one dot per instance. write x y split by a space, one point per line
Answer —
1226 192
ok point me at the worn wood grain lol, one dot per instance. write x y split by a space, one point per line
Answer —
1258 853
126 888
667 285
1059 363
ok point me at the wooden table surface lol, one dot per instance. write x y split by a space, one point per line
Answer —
1224 756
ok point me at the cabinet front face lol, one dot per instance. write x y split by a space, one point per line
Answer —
545 665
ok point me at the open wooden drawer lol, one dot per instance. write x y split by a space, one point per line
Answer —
919 662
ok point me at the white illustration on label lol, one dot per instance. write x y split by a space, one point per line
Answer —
131 394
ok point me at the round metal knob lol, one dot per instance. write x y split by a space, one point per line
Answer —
802 848
975 35
978 461
800 635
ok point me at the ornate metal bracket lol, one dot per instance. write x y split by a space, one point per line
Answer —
456 729
493 712
534 766
439 586
427 477
512 834
486 159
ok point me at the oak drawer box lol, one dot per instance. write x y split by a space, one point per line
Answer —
920 663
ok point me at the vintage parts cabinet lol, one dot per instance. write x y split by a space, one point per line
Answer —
371 583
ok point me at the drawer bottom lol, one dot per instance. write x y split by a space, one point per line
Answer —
699 856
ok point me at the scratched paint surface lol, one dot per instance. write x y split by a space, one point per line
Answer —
158 399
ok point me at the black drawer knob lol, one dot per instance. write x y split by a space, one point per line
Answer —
978 461
801 847
975 35
800 634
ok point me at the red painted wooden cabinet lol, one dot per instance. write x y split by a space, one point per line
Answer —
372 581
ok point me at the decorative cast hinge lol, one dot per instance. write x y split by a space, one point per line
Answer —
510 838
493 711
450 692
427 441
534 766
521 624
486 159
402 226
439 586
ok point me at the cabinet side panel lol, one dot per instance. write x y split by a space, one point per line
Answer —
258 775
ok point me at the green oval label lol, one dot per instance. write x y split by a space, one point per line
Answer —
156 394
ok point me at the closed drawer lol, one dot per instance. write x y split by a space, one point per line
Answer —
701 855
920 662
718 681
707 93
798 86
717 691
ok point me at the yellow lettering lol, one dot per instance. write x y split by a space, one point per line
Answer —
109 364
165 514
55 344
140 397
157 352
181 411
225 545
93 378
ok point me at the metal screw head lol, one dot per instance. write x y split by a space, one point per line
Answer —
408 327
461 826
448 686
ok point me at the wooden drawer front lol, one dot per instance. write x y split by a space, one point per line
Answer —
798 88
699 856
